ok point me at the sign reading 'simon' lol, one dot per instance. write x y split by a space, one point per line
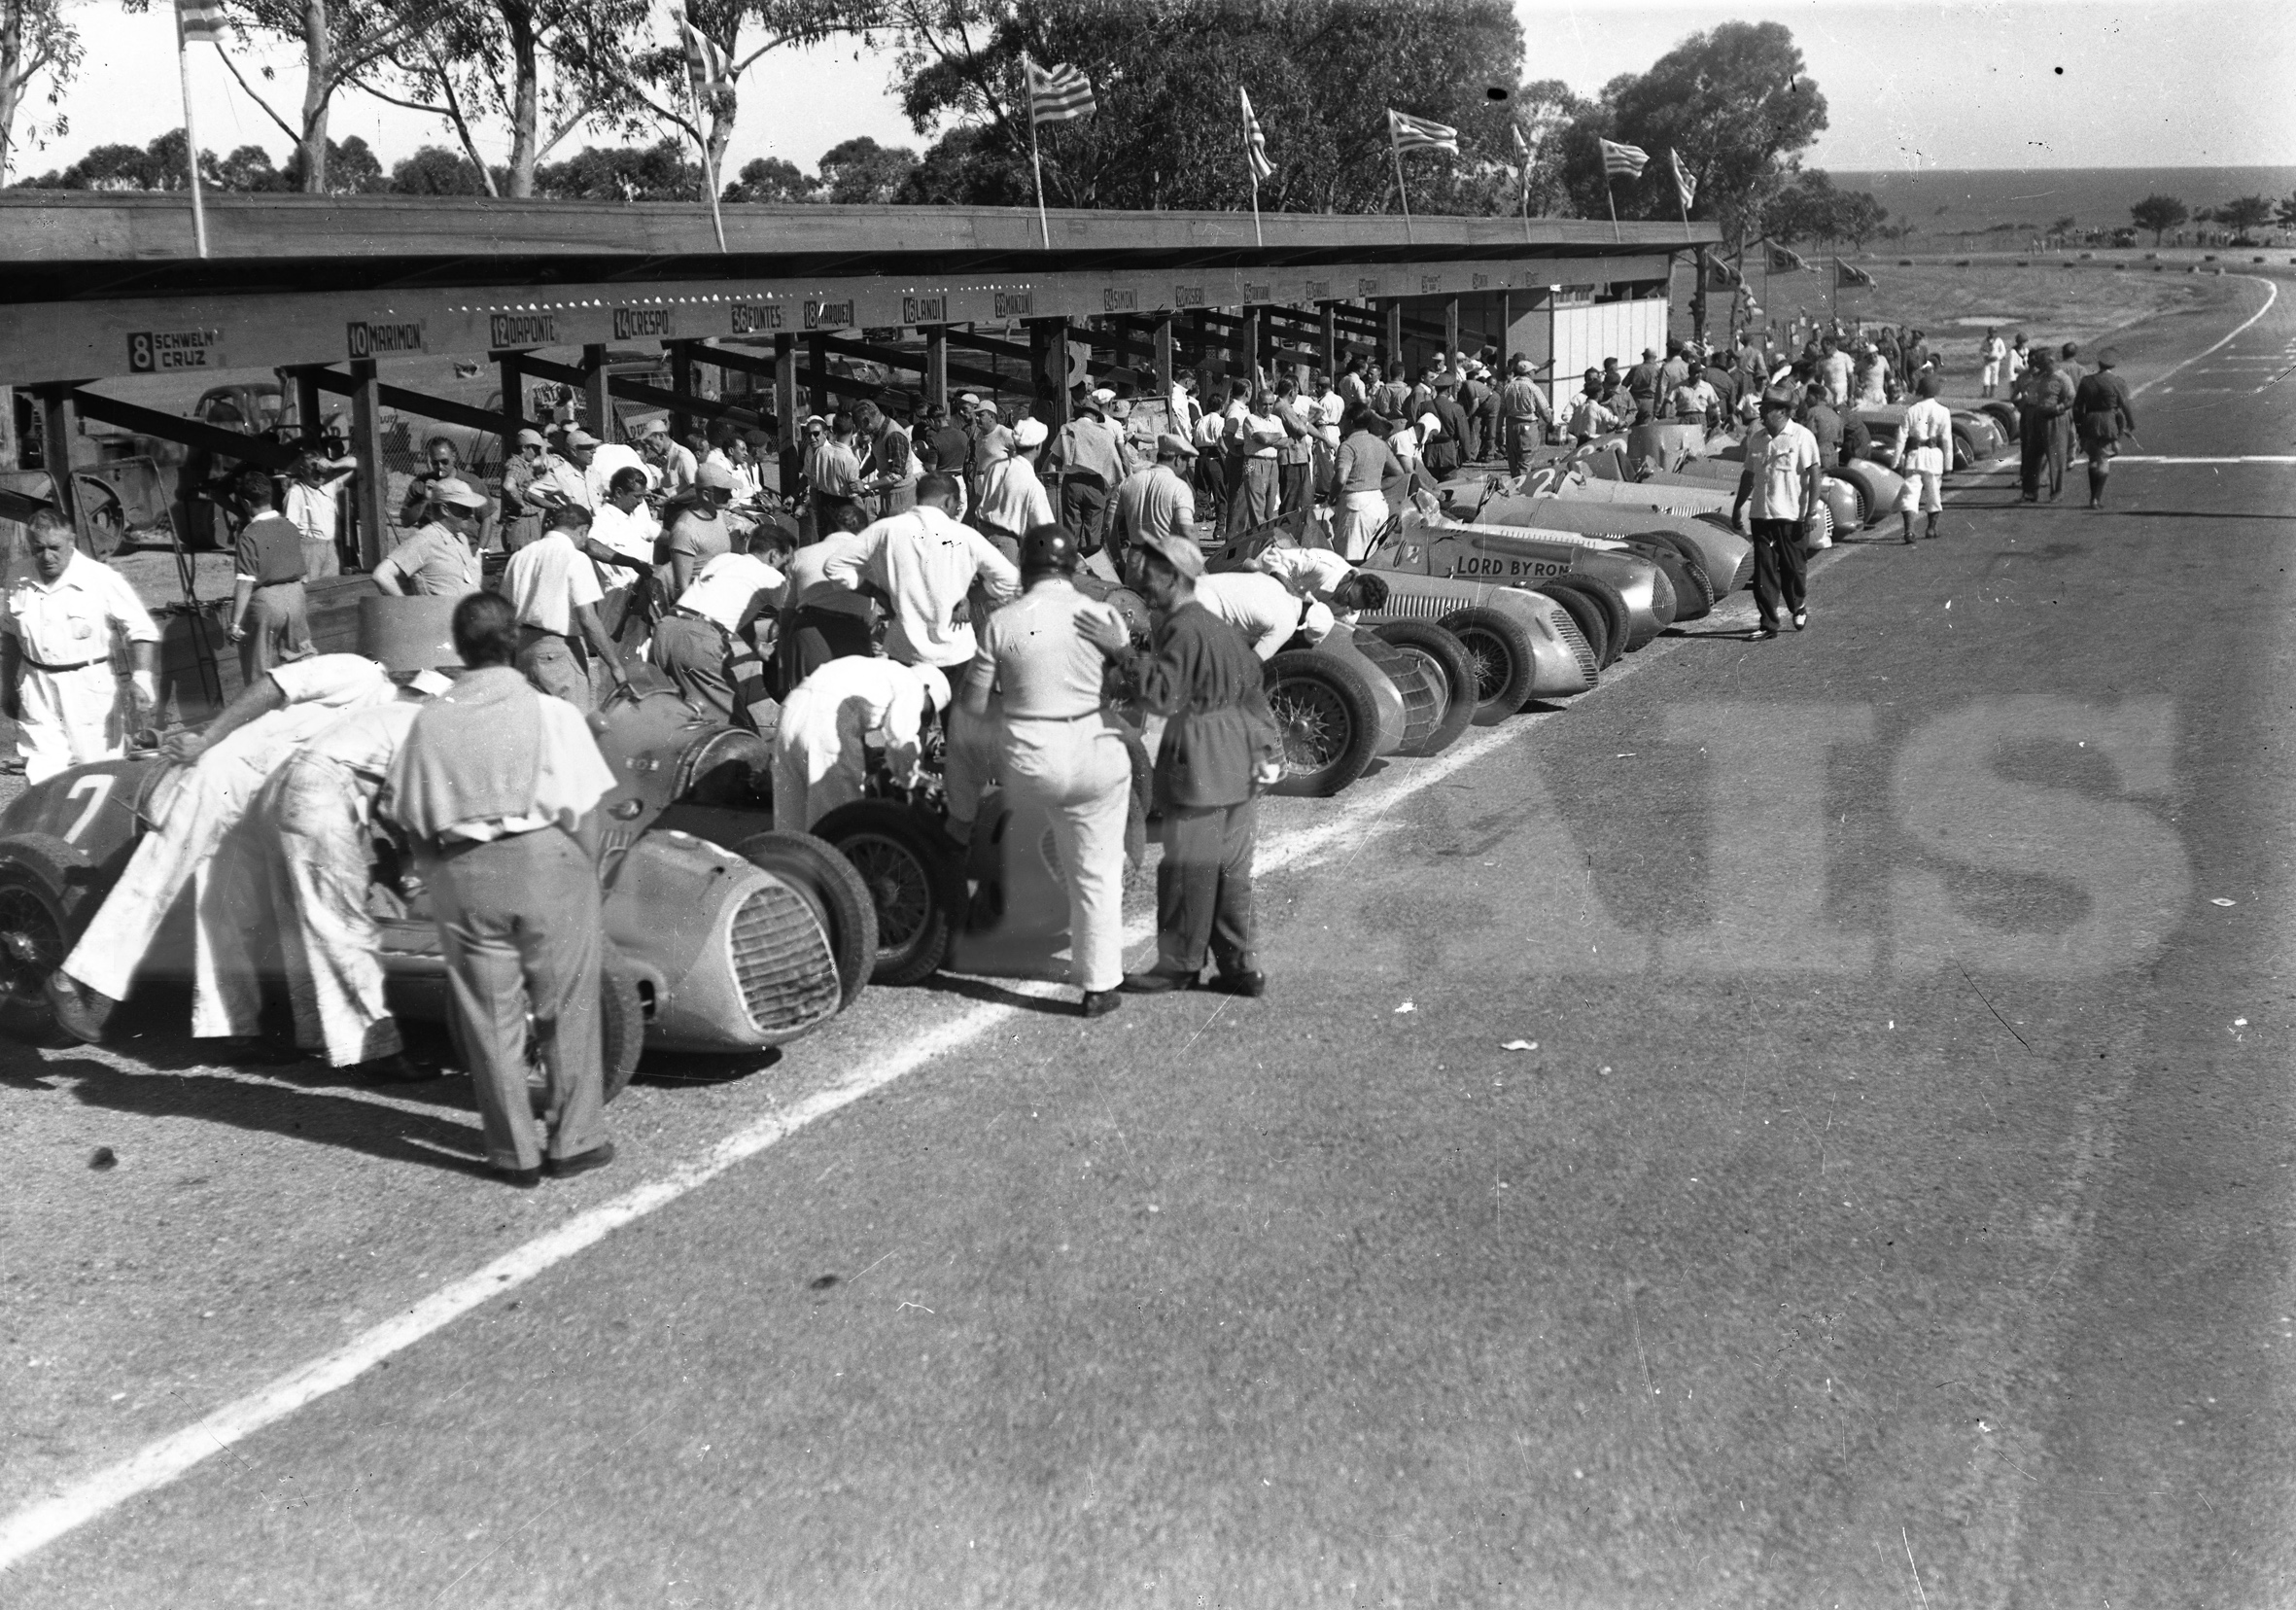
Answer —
370 339
160 351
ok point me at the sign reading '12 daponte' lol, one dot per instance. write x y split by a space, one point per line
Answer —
521 329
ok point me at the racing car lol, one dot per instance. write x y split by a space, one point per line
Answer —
723 936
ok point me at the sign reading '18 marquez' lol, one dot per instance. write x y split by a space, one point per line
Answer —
917 310
370 339
828 315
521 329
748 318
638 324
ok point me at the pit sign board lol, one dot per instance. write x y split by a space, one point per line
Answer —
166 351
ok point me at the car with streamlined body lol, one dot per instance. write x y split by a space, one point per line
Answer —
724 937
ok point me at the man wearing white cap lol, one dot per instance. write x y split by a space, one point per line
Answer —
529 463
567 480
821 758
1013 499
670 460
441 559
56 677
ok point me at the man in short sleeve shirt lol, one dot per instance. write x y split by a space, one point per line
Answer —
1781 480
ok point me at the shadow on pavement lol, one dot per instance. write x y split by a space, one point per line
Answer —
980 988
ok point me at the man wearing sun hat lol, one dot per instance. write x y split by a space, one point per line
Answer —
440 559
671 460
529 461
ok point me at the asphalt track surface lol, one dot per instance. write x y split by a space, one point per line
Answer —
1892 1205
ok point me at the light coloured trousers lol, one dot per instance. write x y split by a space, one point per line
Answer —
1079 774
329 945
1361 516
70 719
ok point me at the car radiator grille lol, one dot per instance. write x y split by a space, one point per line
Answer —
1576 642
781 961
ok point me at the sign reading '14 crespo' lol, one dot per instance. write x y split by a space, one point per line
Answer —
369 339
163 351
638 324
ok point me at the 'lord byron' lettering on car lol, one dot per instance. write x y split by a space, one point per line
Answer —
748 318
1471 565
521 329
1120 300
367 339
163 351
1187 296
1015 304
828 315
917 310
636 324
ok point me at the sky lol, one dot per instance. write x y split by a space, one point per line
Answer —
1910 83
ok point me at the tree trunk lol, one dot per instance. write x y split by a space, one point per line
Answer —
525 97
721 136
318 64
11 79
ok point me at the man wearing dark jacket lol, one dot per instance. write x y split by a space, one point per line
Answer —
2103 411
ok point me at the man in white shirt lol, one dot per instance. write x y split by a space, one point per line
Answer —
56 677
623 541
1782 479
926 562
671 460
1924 449
703 644
1318 575
1989 355
1835 368
311 507
228 762
1266 611
821 758
552 585
1013 499
565 479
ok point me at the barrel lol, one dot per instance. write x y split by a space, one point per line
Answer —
408 634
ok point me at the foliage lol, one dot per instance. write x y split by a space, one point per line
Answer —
2245 213
1811 208
2064 226
352 169
2284 213
2160 214
434 170
36 40
1321 74
861 170
772 179
660 172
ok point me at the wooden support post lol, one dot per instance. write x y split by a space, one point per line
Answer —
513 379
597 408
1506 332
1254 345
57 428
936 365
1198 334
1391 340
1164 355
308 419
1048 345
1450 327
1331 342
816 355
681 382
367 501
785 404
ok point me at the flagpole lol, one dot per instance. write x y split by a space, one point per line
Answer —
183 61
1035 152
1612 196
1401 193
1251 171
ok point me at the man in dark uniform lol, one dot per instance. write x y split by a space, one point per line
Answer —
1221 749
2103 411
1445 453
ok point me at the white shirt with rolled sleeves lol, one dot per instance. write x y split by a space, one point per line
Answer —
70 718
1013 499
727 585
926 562
1780 464
547 580
634 536
1263 608
611 460
312 509
819 758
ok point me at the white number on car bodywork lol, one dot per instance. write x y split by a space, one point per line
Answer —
97 786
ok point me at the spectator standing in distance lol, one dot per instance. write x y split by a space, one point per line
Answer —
2103 412
2044 403
494 787
1448 452
552 585
1087 460
1154 502
1591 417
1992 352
1525 416
1781 479
57 678
312 507
833 471
566 476
1220 749
1294 456
888 463
2016 364
1474 390
529 462
672 461
1825 424
946 447
440 560
269 615
2068 365
1924 447
1835 368
1874 380
1059 749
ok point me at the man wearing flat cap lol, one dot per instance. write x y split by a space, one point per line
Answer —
2103 412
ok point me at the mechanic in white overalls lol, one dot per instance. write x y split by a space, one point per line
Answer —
56 677
821 754
1923 449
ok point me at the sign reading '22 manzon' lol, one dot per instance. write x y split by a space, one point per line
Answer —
521 329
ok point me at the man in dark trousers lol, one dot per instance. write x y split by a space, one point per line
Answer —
1446 452
1781 478
2044 400
493 787
2103 412
1221 749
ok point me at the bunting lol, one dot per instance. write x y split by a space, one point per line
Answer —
201 20
1848 276
1686 183
1784 262
1255 141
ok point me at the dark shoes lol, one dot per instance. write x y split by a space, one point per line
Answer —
255 1051
78 1011
581 1163
1252 985
524 1179
1762 634
1099 1003
1158 982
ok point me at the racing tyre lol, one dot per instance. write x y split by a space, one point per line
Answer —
914 885
621 1023
39 921
1617 621
1324 710
1585 614
2004 416
1443 660
840 899
1500 651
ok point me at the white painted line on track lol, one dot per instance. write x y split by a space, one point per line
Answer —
2271 294
36 1526
2120 459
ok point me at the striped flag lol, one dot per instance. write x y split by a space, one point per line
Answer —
1784 262
1058 93
201 21
1254 142
1848 276
1410 133
1686 183
705 63
1625 159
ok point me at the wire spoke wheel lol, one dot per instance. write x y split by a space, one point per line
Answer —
900 887
1489 658
31 946
1314 724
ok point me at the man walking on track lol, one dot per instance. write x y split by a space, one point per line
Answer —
2044 400
492 787
1925 445
1221 749
1781 478
56 677
1061 749
2103 412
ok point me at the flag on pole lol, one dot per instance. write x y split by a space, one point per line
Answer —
203 22
1059 93
1522 143
1686 183
1722 276
1848 275
1784 262
1255 141
1408 134
705 63
1625 159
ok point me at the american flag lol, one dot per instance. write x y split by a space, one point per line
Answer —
1686 183
201 20
1625 159
1411 133
705 63
1059 93
1254 142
